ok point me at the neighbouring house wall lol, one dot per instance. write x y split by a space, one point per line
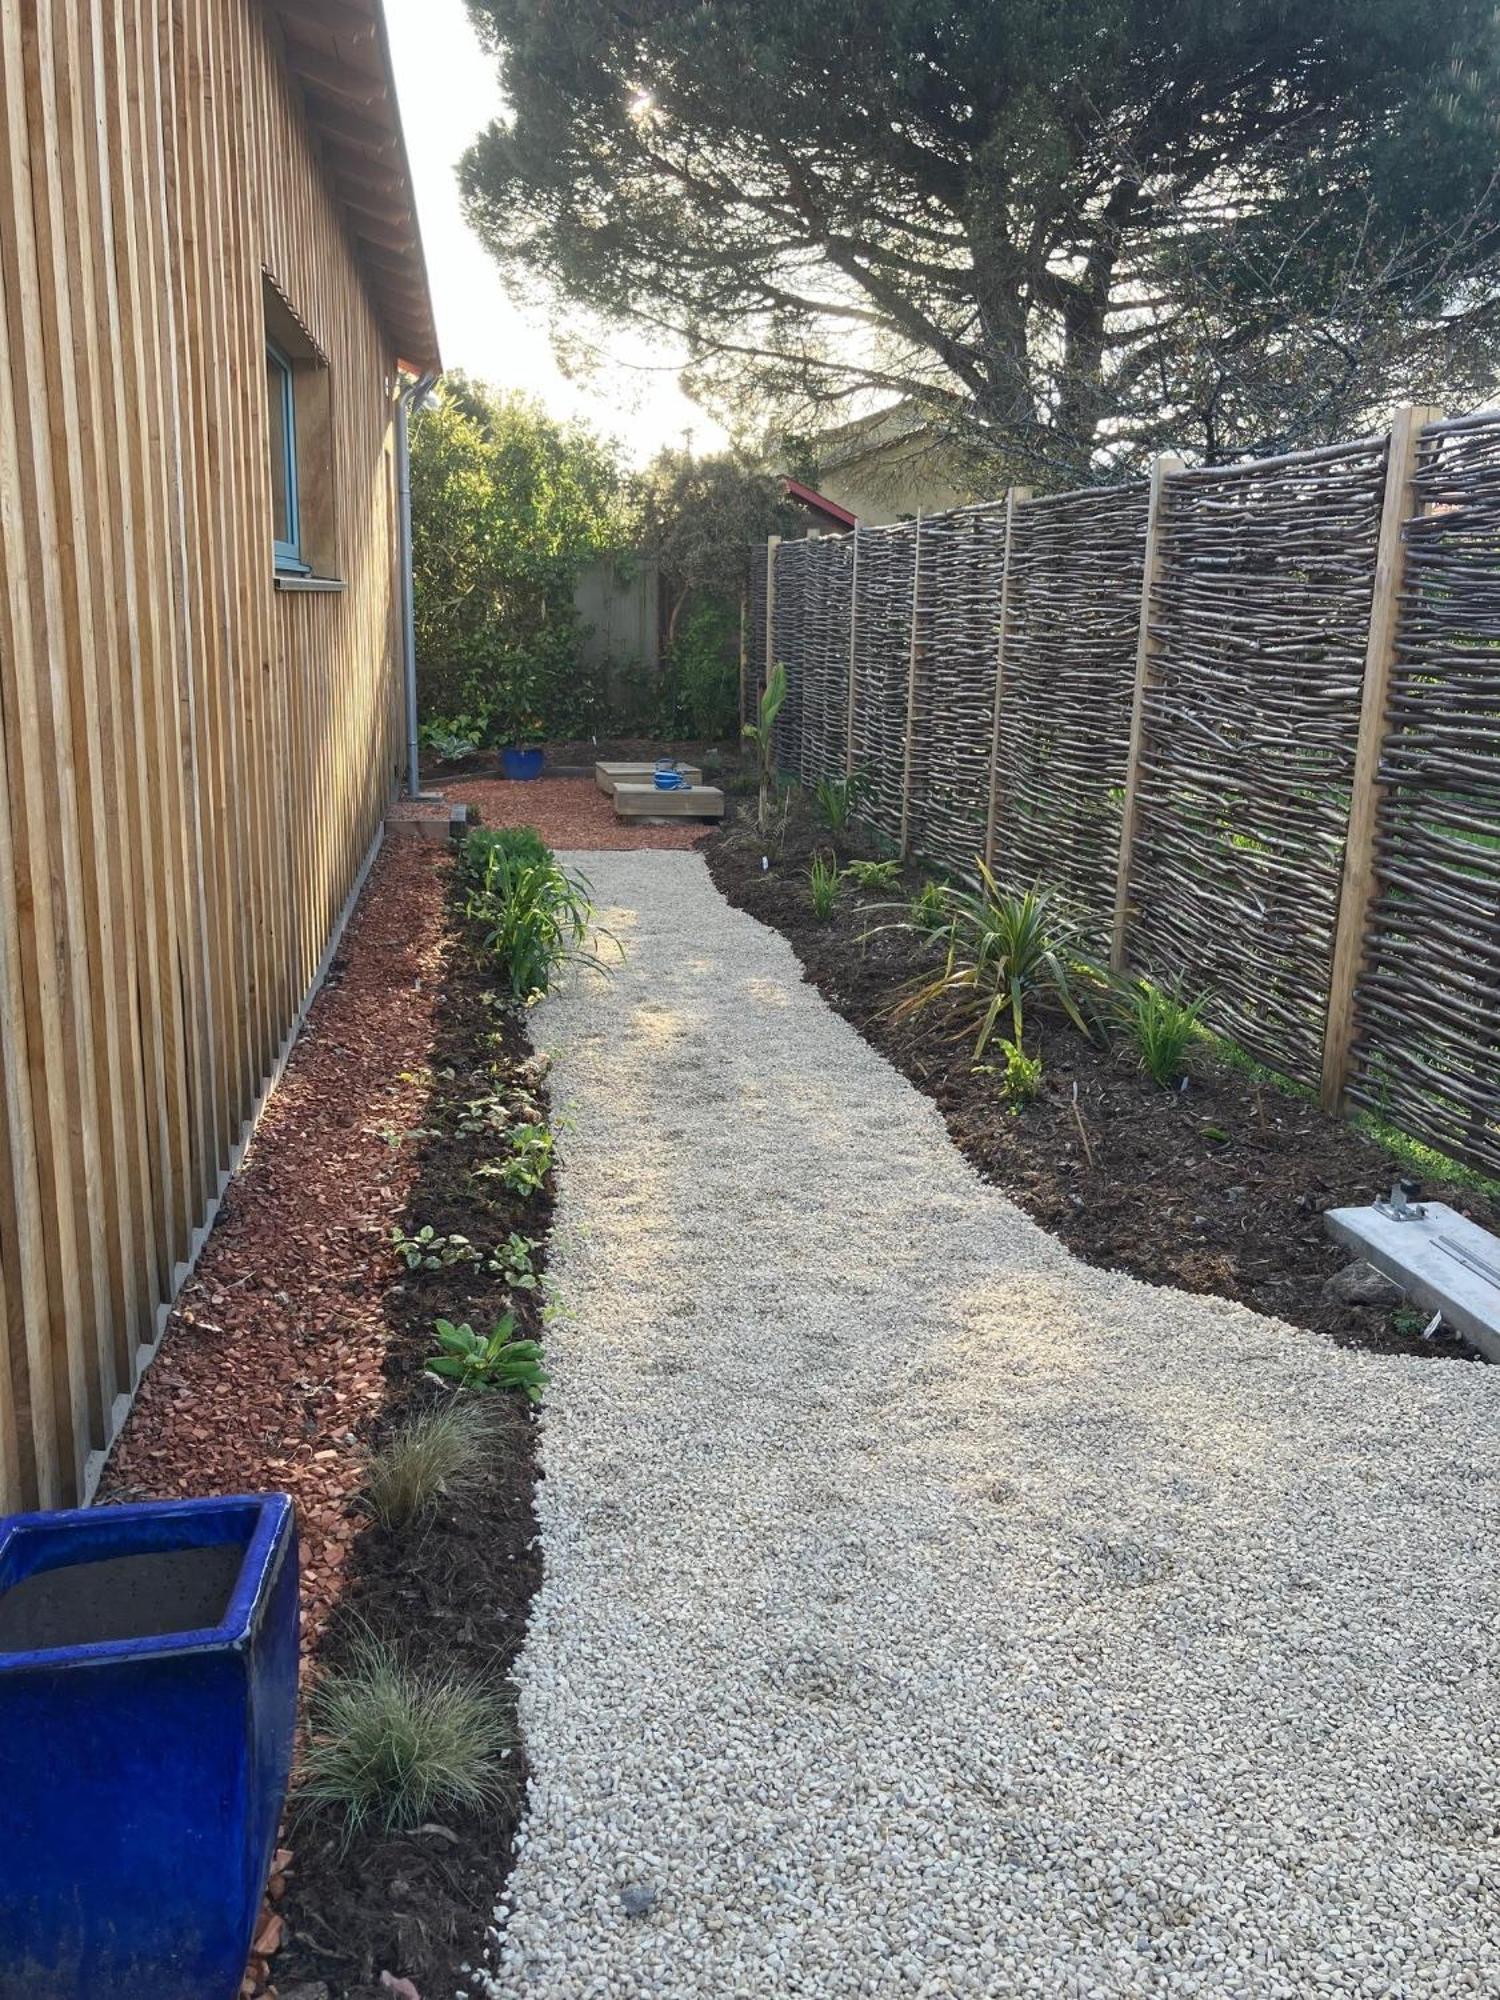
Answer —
894 480
619 606
194 764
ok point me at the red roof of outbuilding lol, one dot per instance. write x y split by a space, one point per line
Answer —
819 503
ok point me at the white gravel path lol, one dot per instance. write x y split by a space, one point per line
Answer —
926 1613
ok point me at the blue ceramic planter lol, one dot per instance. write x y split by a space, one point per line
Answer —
516 762
148 1694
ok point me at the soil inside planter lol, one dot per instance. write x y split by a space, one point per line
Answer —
143 1596
1218 1188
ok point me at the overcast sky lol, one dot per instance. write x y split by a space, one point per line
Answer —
448 92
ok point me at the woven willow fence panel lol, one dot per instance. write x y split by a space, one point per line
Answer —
1259 623
1427 1048
1074 613
882 657
824 702
788 638
963 561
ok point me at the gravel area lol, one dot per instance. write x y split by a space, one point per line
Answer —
926 1613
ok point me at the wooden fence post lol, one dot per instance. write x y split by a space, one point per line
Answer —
1145 657
1013 499
853 682
1358 885
911 687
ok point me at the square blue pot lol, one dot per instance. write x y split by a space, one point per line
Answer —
521 762
148 1697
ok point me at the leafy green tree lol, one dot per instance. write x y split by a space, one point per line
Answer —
507 505
1073 233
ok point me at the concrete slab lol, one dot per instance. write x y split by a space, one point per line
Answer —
646 802
1442 1261
608 774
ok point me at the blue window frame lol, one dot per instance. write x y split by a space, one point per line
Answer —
286 539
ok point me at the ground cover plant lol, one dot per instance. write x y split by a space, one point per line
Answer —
1218 1186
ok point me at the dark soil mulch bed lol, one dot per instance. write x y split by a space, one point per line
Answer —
1220 1188
452 1592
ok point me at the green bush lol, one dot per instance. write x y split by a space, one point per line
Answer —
1003 951
391 1744
532 916
493 1360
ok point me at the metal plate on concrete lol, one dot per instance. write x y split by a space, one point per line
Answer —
1442 1261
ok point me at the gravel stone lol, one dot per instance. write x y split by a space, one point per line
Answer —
957 1619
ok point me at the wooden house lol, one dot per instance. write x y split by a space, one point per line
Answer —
212 299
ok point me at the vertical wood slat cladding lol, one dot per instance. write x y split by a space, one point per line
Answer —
194 764
1427 1035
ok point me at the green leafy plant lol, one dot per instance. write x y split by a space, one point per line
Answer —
838 799
450 737
431 1455
1021 1074
525 1165
394 1745
532 915
427 1251
496 1360
760 735
519 843
515 1260
869 875
928 910
1003 951
1162 1023
823 886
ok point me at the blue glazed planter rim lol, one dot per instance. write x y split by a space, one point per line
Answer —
265 1551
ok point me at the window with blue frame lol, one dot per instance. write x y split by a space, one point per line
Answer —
281 398
299 442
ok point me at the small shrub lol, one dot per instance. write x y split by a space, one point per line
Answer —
515 1260
518 843
432 1454
869 875
761 736
1003 950
928 910
496 1360
1021 1074
532 915
523 1169
1163 1025
823 886
391 1744
837 800
427 1251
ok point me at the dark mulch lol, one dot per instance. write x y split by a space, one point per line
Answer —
453 1592
1220 1188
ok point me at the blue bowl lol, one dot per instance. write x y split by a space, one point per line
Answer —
148 1696
516 762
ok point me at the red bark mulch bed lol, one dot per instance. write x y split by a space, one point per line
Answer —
566 812
1220 1188
272 1364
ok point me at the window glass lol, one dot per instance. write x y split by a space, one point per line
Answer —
283 445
